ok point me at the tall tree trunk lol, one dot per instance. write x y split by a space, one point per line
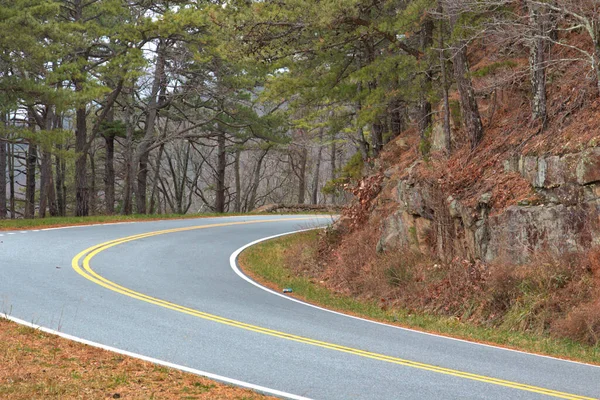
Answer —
46 165
61 189
376 126
220 175
129 162
468 102
315 190
302 176
142 153
50 192
142 183
3 165
82 190
445 85
81 183
424 122
60 171
256 180
109 174
377 137
596 63
156 179
58 180
93 191
181 208
446 100
45 171
30 181
537 64
333 163
397 120
109 168
425 119
171 197
45 181
54 123
363 144
238 182
11 179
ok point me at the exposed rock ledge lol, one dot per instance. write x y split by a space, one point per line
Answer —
565 218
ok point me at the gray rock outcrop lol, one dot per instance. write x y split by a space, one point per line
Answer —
567 218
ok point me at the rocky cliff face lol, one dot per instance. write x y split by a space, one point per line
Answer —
563 216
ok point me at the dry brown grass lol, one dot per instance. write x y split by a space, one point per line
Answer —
549 295
582 323
37 365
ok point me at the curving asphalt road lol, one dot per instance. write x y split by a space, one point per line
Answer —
174 297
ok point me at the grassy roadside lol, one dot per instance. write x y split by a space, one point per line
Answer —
34 364
53 222
268 264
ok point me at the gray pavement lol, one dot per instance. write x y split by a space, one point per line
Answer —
191 269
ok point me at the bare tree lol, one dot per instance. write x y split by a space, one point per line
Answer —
30 182
3 164
468 102
220 187
577 15
317 171
251 205
537 61
444 79
154 104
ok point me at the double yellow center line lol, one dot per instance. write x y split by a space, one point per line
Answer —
84 269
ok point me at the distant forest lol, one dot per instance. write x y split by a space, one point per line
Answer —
148 106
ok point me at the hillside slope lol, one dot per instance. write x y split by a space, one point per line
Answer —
504 234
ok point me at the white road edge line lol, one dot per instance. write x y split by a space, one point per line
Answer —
209 375
234 265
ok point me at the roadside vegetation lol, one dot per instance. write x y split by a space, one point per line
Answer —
51 222
36 365
517 308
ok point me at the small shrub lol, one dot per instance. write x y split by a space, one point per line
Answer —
400 268
581 324
412 232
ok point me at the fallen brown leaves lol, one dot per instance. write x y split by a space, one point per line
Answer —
36 365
